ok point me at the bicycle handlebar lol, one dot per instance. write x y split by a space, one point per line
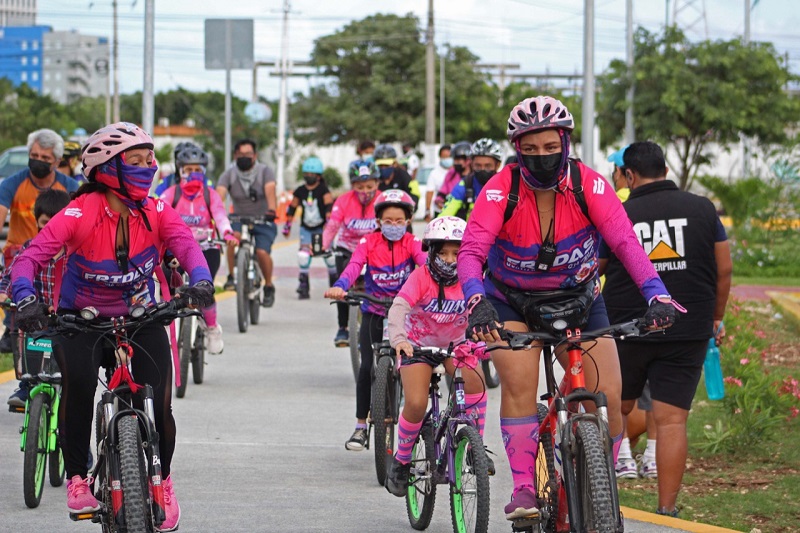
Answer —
521 340
250 220
163 313
356 298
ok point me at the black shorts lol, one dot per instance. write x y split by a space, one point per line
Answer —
672 368
598 318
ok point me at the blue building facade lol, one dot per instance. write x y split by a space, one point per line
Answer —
21 52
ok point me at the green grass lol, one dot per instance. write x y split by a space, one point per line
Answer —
746 489
6 362
778 281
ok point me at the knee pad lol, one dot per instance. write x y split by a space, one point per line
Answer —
303 259
330 262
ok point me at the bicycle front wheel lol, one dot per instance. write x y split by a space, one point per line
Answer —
185 350
55 465
593 480
242 289
469 493
255 303
546 478
383 402
421 493
133 472
353 328
35 460
198 354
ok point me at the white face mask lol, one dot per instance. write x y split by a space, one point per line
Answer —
446 162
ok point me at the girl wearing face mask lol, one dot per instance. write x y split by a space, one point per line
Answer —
114 237
389 255
430 311
485 158
352 218
201 208
317 201
544 242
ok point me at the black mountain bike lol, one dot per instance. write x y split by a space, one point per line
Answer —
248 274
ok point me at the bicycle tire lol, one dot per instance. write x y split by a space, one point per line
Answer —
469 494
547 482
185 350
421 492
242 289
354 328
383 392
198 354
133 474
35 460
491 377
592 479
56 468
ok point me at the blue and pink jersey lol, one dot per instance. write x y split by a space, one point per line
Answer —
350 221
511 248
202 221
428 324
388 266
87 228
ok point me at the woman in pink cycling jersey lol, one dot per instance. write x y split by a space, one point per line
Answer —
543 241
203 211
114 237
352 217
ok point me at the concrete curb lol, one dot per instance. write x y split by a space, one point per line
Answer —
789 302
686 525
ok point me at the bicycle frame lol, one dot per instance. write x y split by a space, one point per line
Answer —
44 383
246 243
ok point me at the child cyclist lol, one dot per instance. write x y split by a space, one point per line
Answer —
316 200
203 211
430 311
47 204
390 256
352 217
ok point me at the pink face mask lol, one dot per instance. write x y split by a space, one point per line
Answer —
192 185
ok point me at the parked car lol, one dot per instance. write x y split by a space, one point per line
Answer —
422 179
13 160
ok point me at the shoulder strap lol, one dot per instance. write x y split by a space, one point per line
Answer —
176 196
513 195
577 188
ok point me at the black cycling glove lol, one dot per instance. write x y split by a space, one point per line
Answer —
200 294
32 315
483 317
661 313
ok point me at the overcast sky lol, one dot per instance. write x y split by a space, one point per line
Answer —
539 35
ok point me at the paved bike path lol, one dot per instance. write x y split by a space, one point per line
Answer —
261 443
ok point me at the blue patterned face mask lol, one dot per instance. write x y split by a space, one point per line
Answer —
393 233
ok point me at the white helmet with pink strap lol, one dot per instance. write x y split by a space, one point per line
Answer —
110 141
538 113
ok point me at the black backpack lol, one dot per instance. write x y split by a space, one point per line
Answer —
577 191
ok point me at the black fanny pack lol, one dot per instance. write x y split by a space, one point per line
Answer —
544 310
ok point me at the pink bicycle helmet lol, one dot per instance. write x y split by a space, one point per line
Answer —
538 113
394 198
443 229
110 141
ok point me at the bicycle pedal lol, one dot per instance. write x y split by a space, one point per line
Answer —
526 523
16 409
94 516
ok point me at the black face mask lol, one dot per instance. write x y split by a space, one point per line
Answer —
544 168
311 180
244 163
459 168
39 169
482 176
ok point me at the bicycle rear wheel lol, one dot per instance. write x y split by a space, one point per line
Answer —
55 465
133 472
353 328
593 480
185 350
198 354
242 289
383 405
255 303
421 493
469 494
547 481
35 460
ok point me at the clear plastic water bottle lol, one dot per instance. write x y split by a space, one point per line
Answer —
715 387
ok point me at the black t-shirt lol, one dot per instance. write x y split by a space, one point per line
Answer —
678 230
400 180
314 208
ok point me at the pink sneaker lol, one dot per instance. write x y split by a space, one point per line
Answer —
171 508
79 496
523 504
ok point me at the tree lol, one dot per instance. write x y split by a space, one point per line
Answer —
23 110
691 94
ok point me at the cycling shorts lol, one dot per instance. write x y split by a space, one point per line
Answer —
672 368
598 318
306 234
264 234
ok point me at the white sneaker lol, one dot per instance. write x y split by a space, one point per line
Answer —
214 342
626 468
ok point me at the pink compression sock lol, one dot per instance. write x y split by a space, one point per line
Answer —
406 436
210 315
476 408
616 442
521 440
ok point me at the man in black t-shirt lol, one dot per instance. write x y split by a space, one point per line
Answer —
316 201
686 242
393 176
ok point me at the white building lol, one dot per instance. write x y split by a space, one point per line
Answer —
75 65
17 12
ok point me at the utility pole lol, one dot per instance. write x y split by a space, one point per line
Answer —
742 137
746 22
148 103
441 99
587 124
116 64
282 105
630 130
228 106
430 90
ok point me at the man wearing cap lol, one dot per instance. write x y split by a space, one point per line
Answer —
618 176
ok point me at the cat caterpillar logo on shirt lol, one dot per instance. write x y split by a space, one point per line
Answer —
73 212
663 242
